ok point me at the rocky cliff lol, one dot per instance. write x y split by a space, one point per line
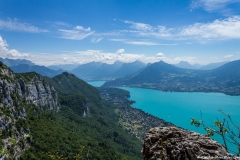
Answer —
17 91
171 143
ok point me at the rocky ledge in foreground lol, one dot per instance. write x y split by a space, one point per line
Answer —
171 143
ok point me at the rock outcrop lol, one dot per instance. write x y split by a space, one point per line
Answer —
171 143
35 91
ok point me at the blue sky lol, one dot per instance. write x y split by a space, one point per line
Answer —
51 32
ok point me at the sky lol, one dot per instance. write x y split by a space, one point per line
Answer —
51 32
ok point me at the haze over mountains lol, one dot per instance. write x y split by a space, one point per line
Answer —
213 65
94 70
15 62
66 67
103 71
89 72
186 65
22 66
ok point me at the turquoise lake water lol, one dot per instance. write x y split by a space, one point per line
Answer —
179 107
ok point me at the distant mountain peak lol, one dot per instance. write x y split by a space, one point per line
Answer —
15 62
187 65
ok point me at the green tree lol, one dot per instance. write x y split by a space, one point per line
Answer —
226 128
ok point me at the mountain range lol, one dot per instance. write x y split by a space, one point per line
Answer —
95 71
44 71
101 71
167 77
15 62
92 71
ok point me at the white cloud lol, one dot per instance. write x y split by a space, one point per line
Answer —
228 28
60 23
15 25
220 29
142 43
142 29
120 51
140 26
96 40
82 57
160 55
82 29
9 53
110 33
228 56
86 56
212 5
78 33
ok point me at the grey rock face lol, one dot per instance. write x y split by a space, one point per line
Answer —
171 143
40 93
36 91
15 93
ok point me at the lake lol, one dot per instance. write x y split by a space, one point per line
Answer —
179 107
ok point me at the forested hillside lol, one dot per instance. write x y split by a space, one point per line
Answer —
81 124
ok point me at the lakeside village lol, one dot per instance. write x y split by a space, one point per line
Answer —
133 120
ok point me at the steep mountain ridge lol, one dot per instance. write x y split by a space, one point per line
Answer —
29 86
17 91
